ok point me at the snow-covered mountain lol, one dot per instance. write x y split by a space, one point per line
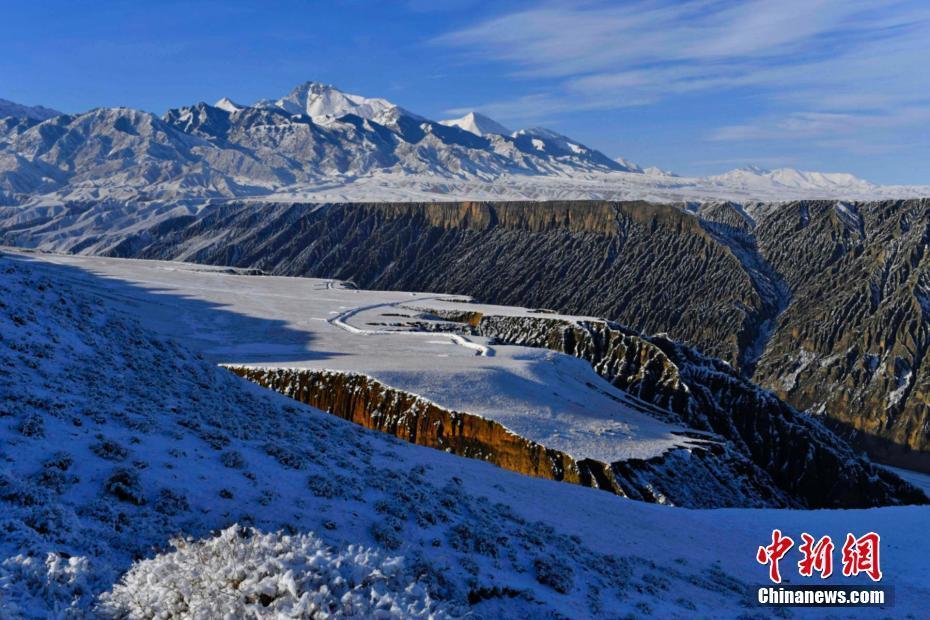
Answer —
17 110
325 103
792 180
319 143
478 124
314 136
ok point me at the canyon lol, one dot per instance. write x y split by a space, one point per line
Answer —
822 302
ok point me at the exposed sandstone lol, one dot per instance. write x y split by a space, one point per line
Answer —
709 476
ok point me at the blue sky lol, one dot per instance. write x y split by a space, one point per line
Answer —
696 87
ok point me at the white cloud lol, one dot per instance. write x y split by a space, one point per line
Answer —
835 67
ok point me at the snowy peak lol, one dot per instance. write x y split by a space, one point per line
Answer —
790 178
325 103
655 171
17 110
228 105
628 165
478 124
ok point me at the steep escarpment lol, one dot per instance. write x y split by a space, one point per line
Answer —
706 475
803 458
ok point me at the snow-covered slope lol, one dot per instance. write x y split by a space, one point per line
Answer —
542 141
115 439
326 325
228 105
393 338
17 110
478 124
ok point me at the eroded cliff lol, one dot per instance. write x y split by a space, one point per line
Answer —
709 475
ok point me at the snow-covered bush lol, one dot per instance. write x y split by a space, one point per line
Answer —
61 585
247 573
126 486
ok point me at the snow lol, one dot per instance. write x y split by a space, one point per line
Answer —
548 397
88 364
904 384
617 185
228 105
538 144
849 215
804 359
247 573
478 124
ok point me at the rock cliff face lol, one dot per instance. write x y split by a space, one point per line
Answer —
709 476
803 458
825 303
853 343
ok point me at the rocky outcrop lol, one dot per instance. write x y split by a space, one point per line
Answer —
709 475
803 458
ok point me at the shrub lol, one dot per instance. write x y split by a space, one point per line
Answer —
109 450
246 573
557 575
125 485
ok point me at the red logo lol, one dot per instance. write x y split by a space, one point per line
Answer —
773 553
817 557
860 555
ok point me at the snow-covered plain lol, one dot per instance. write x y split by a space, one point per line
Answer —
119 432
548 397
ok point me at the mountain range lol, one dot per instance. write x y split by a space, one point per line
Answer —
320 143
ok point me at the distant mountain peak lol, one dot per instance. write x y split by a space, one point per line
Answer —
325 103
478 124
795 179
626 163
18 110
655 171
228 105
754 169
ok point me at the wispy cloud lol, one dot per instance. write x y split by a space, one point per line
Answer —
833 67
